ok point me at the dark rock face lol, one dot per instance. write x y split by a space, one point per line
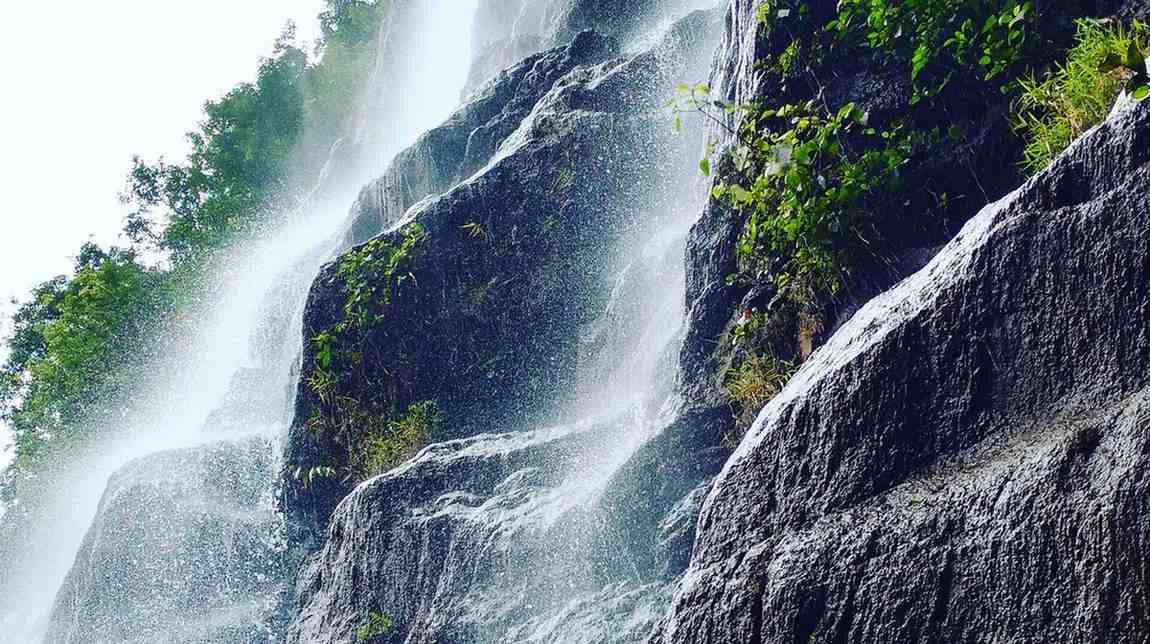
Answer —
960 463
622 19
452 546
963 461
446 155
973 171
498 537
489 327
143 575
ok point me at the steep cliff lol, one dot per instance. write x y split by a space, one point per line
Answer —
497 536
511 415
957 461
963 461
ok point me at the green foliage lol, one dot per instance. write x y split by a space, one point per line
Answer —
376 624
236 169
812 181
252 140
69 340
76 342
758 378
770 13
308 476
350 29
476 230
766 11
381 450
1077 94
373 441
805 178
941 38
370 272
371 434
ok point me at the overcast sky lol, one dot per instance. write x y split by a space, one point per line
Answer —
89 84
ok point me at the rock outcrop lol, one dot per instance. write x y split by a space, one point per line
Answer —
558 158
462 544
963 461
142 574
452 152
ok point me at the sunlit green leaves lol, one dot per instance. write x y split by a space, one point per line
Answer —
803 189
1077 94
940 38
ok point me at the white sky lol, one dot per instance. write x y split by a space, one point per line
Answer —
88 84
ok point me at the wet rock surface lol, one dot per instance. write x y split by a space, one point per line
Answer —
515 261
963 460
960 463
450 153
141 574
453 546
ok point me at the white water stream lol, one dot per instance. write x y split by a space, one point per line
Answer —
264 282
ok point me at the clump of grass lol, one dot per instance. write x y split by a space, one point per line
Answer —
757 379
376 624
384 448
1076 95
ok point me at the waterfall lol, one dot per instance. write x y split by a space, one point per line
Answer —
546 534
173 533
234 366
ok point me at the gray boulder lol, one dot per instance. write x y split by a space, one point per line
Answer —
454 546
450 153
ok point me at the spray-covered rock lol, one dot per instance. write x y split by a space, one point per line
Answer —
480 301
185 547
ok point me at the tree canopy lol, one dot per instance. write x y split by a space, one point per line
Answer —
79 339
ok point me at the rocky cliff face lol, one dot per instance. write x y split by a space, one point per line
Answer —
959 463
508 540
963 461
560 163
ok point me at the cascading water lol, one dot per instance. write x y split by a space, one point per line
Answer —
528 537
579 487
235 369
187 543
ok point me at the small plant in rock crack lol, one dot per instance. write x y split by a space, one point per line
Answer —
476 230
323 382
392 443
758 378
376 624
755 375
308 476
324 345
374 441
